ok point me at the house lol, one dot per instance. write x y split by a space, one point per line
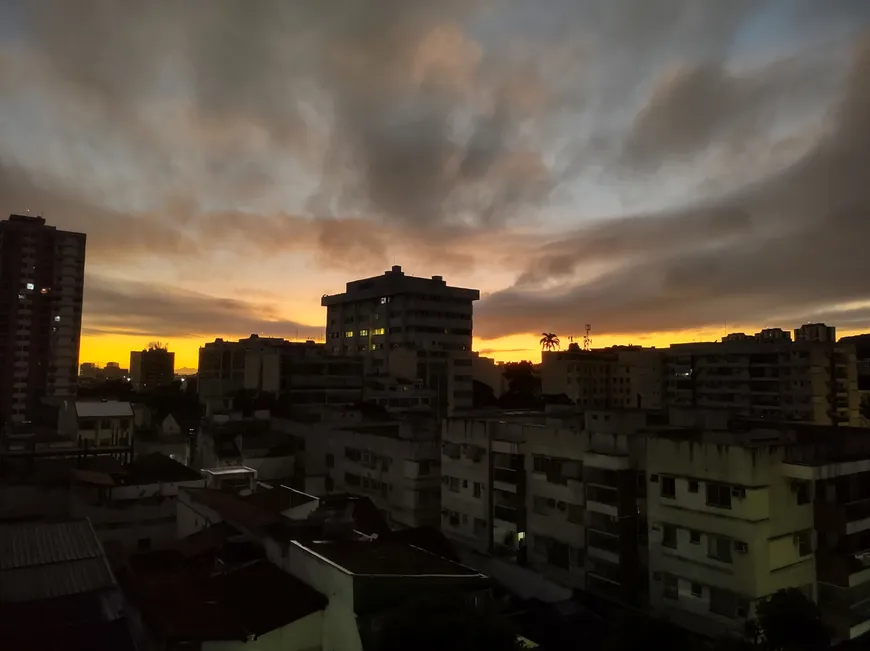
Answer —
57 590
134 508
97 422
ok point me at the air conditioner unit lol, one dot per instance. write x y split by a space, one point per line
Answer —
741 547
738 492
655 527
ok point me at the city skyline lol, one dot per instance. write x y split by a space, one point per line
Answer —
667 177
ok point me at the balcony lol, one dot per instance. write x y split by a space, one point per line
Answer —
602 523
602 500
505 476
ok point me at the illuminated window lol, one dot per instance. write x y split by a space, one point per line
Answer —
378 331
349 333
56 319
30 286
363 333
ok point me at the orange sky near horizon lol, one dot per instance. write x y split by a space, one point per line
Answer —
116 348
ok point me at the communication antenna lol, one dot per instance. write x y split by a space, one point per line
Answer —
587 338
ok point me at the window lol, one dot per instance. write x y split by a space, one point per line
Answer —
697 590
719 548
719 495
804 542
802 492
378 331
669 487
575 513
695 537
348 334
363 333
671 586
669 536
478 489
693 485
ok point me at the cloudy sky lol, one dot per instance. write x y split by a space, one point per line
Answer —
664 170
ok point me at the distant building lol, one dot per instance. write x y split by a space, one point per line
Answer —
409 327
151 368
98 423
769 376
303 373
622 376
41 285
816 332
489 372
113 371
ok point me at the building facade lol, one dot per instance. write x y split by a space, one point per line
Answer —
408 327
767 377
41 285
152 368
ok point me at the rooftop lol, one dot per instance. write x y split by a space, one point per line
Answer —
103 409
51 559
152 468
386 558
232 605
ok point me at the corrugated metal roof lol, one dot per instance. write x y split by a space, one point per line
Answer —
103 409
56 580
51 559
25 545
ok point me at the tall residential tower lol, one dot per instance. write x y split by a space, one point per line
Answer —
41 282
416 328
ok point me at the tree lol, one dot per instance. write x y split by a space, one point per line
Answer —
483 394
435 622
521 378
549 341
789 621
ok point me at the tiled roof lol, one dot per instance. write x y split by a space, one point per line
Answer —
41 560
386 558
103 409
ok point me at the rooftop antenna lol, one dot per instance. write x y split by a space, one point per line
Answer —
587 338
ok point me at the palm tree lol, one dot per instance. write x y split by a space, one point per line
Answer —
549 341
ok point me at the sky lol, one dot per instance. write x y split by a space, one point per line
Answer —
663 170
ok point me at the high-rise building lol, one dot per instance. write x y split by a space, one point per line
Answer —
41 282
416 328
152 367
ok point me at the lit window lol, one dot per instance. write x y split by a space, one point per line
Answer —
30 286
349 333
45 290
378 331
57 319
363 333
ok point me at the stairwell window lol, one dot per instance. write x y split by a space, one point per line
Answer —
668 487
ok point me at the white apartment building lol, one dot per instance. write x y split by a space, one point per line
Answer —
97 422
415 328
551 500
41 285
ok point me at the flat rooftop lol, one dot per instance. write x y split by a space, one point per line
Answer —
386 558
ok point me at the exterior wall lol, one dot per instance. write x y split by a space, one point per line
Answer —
706 558
105 431
486 370
340 630
305 634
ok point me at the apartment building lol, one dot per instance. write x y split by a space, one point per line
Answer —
100 423
556 495
768 376
394 460
728 527
41 285
624 376
303 372
409 327
151 368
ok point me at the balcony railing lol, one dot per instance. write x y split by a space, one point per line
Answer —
602 495
601 522
604 542
505 475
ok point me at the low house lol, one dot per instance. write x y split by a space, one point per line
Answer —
97 422
134 508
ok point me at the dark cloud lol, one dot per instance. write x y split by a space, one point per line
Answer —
791 246
138 308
